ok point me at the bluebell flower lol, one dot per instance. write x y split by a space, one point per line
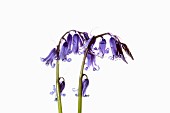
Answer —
116 49
76 41
85 84
50 58
69 41
62 86
113 47
91 61
64 52
120 52
102 48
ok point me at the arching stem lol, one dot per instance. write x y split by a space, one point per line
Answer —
81 72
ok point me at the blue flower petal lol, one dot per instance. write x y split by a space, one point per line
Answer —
102 48
91 61
50 58
64 52
69 40
61 85
85 84
76 41
113 47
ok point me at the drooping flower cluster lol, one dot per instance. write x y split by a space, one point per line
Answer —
116 48
71 44
79 42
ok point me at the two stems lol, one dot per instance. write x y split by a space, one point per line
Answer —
80 78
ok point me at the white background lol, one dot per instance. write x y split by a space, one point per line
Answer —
29 29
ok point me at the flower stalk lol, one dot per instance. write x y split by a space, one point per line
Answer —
80 83
58 88
82 68
57 74
74 44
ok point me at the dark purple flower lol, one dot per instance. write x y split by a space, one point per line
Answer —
86 35
62 86
91 61
124 46
69 41
76 41
116 49
102 48
91 43
120 52
49 59
64 52
85 84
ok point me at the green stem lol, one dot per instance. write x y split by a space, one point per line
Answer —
80 84
81 73
57 73
58 88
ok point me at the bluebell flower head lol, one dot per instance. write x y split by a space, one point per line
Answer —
69 41
76 41
85 84
50 58
102 48
116 49
62 86
91 61
64 52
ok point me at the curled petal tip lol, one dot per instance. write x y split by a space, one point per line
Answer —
63 95
51 93
53 65
86 68
69 60
42 59
111 57
107 51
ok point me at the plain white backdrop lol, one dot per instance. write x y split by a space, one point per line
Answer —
29 29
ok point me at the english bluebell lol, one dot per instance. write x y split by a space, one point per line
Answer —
91 61
85 84
64 52
102 48
76 41
50 58
62 86
69 41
